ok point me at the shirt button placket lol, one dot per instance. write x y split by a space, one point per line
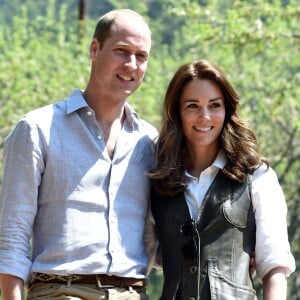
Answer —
112 219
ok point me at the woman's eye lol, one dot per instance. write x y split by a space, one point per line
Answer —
215 105
192 106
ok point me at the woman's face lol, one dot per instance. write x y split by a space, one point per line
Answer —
202 112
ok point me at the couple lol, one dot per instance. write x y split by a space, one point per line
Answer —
76 192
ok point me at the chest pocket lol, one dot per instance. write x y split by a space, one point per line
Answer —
236 210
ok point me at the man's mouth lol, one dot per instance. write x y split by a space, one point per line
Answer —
125 78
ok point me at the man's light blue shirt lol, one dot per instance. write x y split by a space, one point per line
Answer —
84 212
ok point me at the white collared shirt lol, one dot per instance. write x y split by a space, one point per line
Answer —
270 210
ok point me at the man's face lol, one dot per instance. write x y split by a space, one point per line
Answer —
119 64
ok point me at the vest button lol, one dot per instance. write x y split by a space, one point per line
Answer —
193 270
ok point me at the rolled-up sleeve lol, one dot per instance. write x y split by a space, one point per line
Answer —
18 199
272 244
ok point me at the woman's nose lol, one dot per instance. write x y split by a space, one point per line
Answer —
203 112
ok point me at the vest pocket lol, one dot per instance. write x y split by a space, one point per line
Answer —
224 289
236 211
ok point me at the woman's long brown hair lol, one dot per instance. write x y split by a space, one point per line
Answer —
237 139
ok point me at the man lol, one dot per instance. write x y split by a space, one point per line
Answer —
75 181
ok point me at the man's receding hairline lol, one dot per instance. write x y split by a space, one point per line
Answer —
106 21
123 12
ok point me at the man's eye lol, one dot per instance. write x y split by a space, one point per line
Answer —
142 57
121 51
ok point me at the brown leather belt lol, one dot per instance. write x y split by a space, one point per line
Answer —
103 279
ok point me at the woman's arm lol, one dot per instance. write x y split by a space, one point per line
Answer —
272 247
275 284
11 287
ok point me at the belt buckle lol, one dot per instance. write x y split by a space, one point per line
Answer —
104 286
72 277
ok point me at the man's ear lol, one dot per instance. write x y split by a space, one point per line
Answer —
94 47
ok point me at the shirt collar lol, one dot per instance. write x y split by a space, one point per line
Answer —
220 160
131 116
219 163
76 101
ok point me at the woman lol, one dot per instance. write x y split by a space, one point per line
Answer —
215 200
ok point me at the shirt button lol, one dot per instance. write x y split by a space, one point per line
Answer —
99 137
89 113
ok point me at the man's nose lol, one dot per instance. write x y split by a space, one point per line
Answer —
131 61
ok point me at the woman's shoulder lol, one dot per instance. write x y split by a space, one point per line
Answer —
265 181
264 172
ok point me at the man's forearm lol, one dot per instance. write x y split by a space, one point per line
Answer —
11 287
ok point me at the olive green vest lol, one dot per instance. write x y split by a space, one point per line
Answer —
225 237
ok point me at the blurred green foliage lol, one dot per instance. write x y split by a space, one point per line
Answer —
256 42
